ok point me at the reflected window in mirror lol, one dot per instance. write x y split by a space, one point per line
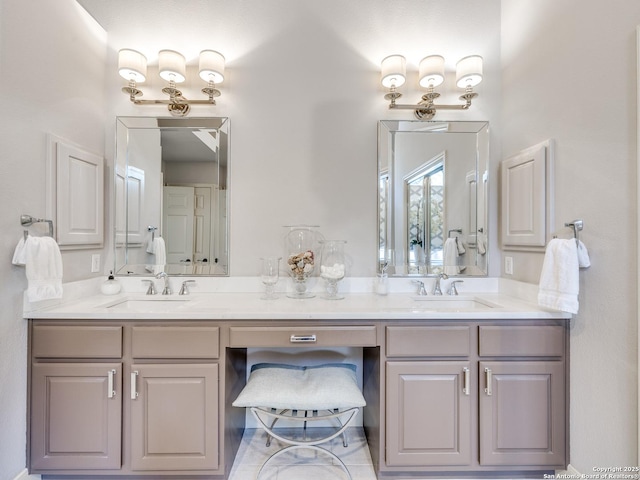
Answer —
424 191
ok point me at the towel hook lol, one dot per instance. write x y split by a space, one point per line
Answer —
27 220
577 226
152 229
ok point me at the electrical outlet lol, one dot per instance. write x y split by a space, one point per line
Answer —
508 265
95 263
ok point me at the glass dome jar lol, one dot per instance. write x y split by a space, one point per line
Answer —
301 245
333 266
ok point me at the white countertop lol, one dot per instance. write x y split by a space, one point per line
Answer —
248 305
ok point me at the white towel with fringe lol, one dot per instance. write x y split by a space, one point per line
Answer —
583 256
450 257
20 254
43 263
559 281
160 252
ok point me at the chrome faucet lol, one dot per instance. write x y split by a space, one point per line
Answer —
167 288
184 290
436 287
152 288
421 290
452 288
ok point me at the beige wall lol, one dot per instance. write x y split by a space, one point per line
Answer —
569 74
52 63
303 95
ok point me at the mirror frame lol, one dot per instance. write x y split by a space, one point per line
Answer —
477 241
122 228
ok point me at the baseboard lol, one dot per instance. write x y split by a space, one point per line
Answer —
24 475
571 472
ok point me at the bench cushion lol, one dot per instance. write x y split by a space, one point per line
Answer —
320 387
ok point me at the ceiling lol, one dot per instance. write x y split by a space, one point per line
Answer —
185 146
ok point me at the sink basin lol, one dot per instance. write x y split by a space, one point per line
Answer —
451 303
147 305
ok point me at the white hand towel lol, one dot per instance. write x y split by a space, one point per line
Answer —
151 245
460 246
161 255
481 242
583 256
450 257
559 282
43 268
19 254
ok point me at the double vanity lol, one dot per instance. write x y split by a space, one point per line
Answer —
137 386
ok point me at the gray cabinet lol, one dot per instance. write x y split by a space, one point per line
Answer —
523 398
475 397
75 398
153 399
76 416
428 413
174 417
124 399
428 401
522 413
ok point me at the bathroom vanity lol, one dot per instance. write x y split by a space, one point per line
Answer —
138 387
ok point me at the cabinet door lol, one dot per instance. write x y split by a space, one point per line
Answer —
522 414
428 413
76 411
174 417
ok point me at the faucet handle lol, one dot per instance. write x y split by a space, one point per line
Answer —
183 289
452 287
152 288
421 289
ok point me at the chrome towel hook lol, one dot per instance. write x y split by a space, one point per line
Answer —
27 220
577 226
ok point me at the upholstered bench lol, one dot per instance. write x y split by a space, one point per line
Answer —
323 392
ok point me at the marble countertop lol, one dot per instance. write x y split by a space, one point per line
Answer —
224 305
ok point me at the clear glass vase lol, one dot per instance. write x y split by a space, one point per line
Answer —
269 274
301 245
333 267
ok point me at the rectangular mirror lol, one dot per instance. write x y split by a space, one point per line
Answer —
171 196
433 197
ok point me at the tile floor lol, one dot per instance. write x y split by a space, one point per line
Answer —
308 464
302 464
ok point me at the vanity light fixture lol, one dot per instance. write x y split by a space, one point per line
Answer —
132 66
431 75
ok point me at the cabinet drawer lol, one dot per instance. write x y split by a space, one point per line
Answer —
337 336
431 341
175 342
522 341
76 341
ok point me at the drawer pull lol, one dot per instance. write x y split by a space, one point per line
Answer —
489 377
303 338
467 378
110 391
134 392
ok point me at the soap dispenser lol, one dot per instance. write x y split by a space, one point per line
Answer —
111 286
